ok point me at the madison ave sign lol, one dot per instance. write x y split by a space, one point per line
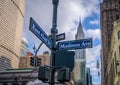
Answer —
75 44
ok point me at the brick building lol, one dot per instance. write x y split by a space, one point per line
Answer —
110 12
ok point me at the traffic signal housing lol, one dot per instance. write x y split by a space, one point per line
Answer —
38 61
32 61
63 75
43 73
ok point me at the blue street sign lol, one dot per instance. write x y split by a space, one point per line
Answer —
37 30
75 44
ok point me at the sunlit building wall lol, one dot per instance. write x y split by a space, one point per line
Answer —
115 54
25 60
11 27
109 12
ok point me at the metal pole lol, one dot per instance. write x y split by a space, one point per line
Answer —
38 49
36 57
53 32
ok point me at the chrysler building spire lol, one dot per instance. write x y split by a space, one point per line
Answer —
80 33
79 53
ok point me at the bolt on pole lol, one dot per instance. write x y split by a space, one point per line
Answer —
53 32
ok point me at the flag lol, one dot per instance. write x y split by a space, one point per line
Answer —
98 73
97 64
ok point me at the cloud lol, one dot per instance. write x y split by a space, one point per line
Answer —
92 53
93 33
24 39
97 83
68 12
94 22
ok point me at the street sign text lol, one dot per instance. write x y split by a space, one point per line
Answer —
37 30
75 44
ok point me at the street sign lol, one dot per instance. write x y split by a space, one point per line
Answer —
75 44
60 37
37 30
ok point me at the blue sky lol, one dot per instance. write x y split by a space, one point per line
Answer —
69 14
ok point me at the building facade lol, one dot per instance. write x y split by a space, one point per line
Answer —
80 53
115 53
24 47
11 27
88 77
110 12
79 71
26 76
25 61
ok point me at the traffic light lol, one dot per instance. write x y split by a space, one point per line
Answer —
32 61
43 73
38 61
63 75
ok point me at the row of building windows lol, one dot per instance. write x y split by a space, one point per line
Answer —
110 3
5 63
1 6
118 34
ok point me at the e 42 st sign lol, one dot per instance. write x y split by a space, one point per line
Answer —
37 30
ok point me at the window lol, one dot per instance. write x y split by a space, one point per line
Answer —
1 6
5 63
119 50
113 68
115 62
107 5
118 34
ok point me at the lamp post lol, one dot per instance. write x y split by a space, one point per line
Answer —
53 32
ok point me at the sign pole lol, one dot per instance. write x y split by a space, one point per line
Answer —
53 32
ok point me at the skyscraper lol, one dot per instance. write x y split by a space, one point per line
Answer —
110 11
24 47
79 71
79 53
11 27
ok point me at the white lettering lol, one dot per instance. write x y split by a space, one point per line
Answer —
36 30
33 26
43 37
69 45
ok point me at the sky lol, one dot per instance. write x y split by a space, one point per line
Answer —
70 12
